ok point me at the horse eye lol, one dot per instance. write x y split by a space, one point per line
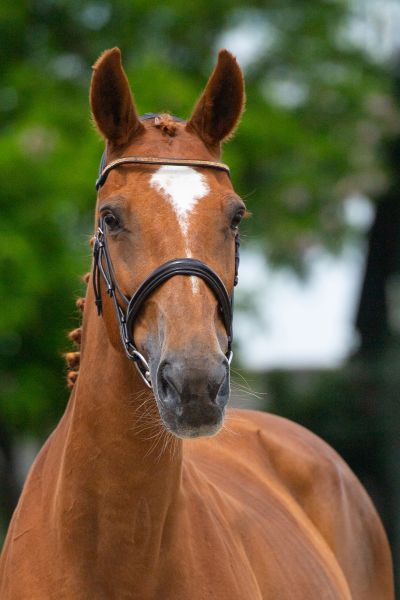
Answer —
237 218
111 221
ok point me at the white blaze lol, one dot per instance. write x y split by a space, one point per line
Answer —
183 187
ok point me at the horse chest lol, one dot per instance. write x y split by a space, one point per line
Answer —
226 552
214 548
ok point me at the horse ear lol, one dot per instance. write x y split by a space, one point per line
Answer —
111 100
218 110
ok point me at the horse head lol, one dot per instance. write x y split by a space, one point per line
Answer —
178 212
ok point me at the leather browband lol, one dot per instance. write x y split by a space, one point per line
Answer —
152 160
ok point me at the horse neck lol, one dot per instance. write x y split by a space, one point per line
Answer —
115 453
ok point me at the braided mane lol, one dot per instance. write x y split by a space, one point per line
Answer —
73 358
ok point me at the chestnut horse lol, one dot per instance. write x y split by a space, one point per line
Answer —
120 503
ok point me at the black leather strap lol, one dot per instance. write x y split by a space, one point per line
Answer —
182 266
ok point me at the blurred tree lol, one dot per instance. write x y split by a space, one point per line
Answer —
379 325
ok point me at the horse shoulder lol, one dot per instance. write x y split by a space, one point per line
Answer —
32 517
329 494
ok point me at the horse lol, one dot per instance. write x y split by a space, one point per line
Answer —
134 495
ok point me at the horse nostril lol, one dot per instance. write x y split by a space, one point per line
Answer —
162 381
166 384
218 383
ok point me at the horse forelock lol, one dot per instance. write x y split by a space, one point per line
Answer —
166 124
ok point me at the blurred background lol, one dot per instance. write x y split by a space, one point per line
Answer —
317 318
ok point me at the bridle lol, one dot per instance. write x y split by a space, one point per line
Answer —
103 267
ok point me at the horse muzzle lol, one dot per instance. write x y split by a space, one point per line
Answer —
192 397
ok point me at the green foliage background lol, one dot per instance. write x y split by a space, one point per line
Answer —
293 161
